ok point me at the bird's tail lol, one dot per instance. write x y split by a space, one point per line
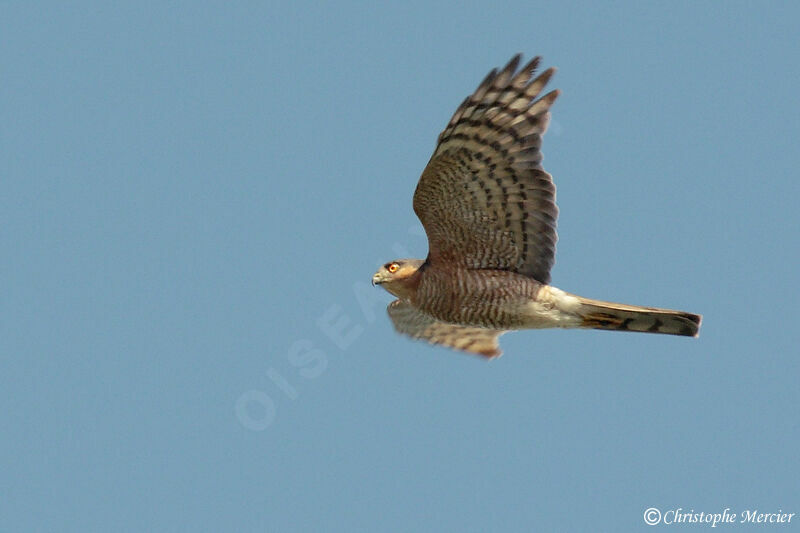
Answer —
619 317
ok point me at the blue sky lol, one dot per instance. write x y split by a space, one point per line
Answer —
195 196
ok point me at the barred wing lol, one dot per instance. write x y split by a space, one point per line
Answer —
408 320
484 199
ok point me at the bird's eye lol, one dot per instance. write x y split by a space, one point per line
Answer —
394 267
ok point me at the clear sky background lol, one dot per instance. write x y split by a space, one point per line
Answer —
195 196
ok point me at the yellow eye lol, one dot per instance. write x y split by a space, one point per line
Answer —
394 267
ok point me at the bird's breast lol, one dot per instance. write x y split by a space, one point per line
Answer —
487 298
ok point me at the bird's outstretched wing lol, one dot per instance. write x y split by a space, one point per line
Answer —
416 324
484 199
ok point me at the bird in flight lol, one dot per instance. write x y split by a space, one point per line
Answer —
489 212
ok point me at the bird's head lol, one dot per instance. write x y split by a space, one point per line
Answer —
398 277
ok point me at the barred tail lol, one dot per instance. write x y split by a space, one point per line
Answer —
619 317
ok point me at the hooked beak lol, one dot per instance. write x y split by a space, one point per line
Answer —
376 280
